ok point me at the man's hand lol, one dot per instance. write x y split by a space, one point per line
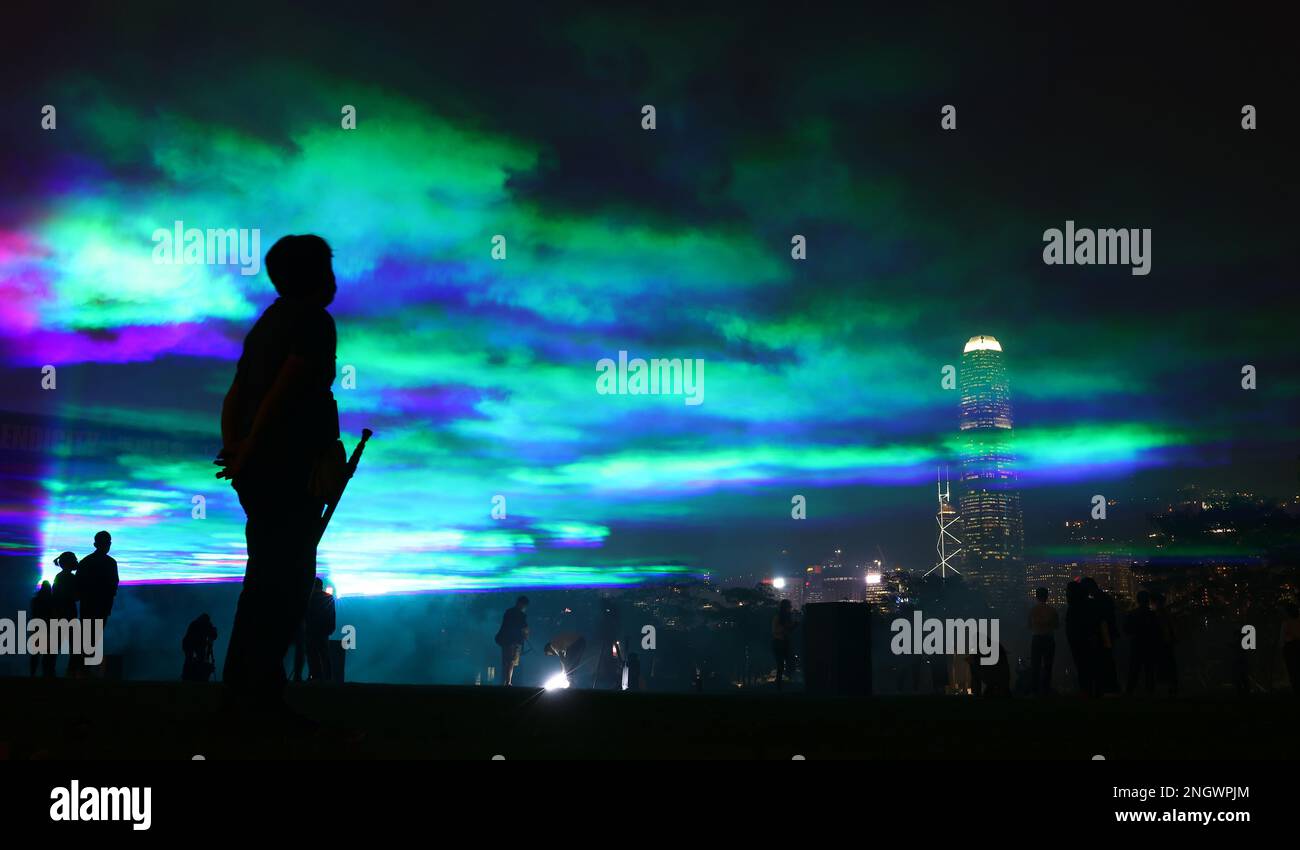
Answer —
231 460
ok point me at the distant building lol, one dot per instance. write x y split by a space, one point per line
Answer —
787 587
993 536
1097 553
844 583
1052 575
877 592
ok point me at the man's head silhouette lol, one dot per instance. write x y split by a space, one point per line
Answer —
300 267
103 541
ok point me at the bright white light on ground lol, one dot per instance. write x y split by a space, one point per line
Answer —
778 583
557 682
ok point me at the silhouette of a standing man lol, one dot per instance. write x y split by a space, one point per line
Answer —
97 580
279 429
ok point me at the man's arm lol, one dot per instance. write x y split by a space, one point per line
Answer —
229 412
292 373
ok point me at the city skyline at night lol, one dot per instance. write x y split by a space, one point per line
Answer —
478 375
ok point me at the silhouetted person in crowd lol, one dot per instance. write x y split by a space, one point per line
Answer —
1043 623
1143 631
43 610
511 637
1290 640
633 672
197 646
1166 661
320 625
569 648
1108 625
783 626
609 659
65 595
281 451
97 581
991 680
1082 632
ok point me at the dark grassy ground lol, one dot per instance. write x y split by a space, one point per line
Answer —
163 720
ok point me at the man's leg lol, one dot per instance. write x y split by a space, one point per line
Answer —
1049 659
509 661
281 533
1035 663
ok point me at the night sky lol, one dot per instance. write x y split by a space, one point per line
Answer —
822 376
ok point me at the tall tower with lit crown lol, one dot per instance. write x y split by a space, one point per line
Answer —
992 522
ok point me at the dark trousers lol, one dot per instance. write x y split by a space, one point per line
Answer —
282 529
1168 664
318 657
1042 652
1291 655
96 609
781 649
1085 665
1142 663
45 663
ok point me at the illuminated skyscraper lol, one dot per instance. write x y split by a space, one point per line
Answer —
992 524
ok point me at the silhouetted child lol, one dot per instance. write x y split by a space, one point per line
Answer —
64 595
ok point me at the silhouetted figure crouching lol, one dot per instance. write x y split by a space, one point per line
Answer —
569 647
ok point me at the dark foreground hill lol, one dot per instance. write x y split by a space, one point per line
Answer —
164 720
